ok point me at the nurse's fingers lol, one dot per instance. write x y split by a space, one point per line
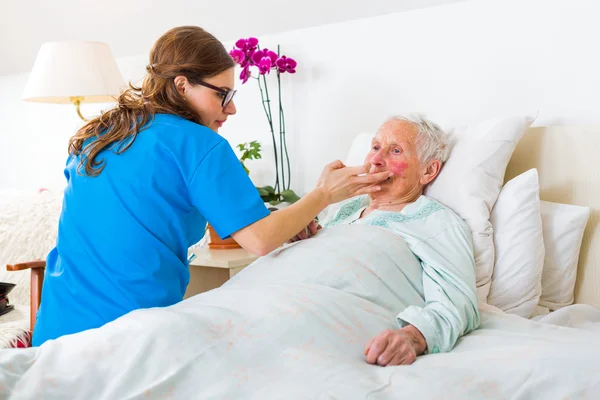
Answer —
367 190
337 164
360 170
373 178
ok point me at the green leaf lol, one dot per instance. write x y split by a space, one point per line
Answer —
250 151
268 188
262 192
267 193
251 154
290 196
255 144
274 202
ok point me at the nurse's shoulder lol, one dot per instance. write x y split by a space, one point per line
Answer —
175 130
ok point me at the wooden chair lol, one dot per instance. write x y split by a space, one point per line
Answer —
37 279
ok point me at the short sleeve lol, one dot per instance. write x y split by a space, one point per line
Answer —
223 193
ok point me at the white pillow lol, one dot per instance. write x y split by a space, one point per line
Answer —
361 145
471 180
563 226
519 244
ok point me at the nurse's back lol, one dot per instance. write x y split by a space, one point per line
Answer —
139 189
123 235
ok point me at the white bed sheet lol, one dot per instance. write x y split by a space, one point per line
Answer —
301 335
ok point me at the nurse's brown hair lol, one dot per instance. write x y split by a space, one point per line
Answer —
187 51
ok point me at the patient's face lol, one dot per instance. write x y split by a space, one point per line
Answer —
394 149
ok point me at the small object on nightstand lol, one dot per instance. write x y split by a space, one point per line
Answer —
210 268
222 244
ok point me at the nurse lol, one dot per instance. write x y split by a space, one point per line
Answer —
144 178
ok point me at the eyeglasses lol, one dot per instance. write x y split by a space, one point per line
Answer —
227 94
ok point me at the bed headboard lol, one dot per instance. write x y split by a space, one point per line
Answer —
568 161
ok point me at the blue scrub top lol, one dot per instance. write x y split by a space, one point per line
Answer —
123 236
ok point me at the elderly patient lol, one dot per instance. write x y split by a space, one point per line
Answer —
414 149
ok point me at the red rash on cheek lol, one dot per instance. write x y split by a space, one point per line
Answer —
397 167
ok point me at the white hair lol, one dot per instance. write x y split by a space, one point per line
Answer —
432 141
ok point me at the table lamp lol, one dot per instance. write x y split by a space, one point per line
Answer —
74 72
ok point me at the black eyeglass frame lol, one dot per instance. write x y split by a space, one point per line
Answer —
227 94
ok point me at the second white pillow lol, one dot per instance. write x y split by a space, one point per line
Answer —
564 225
519 243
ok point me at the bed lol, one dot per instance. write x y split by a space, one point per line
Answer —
300 333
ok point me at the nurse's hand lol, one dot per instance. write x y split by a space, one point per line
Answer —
341 182
307 232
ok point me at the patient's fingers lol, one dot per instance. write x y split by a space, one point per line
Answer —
399 359
409 356
390 351
368 346
377 347
302 234
292 240
312 227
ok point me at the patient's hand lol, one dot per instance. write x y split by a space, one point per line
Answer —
396 347
307 232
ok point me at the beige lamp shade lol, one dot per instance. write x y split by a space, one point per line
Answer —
65 71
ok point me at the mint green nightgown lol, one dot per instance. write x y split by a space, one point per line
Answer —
443 243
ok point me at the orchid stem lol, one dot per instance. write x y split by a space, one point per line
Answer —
282 138
268 114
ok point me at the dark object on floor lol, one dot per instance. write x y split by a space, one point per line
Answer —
5 289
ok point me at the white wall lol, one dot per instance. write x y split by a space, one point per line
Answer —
34 136
455 63
35 22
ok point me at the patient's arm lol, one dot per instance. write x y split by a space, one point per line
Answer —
450 309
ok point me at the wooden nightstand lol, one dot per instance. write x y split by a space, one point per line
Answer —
212 268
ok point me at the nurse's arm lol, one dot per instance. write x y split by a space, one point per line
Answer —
336 183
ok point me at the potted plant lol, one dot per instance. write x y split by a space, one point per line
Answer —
250 151
248 54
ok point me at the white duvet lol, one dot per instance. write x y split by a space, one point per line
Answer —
293 326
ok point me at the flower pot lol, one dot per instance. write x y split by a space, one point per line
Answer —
217 243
